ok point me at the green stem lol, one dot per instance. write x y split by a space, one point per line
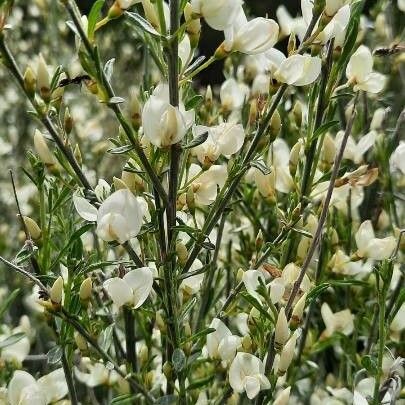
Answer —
130 341
69 380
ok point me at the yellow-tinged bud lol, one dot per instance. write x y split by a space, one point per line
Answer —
86 289
119 184
182 252
57 291
294 157
115 11
282 332
253 112
167 370
193 27
275 125
328 150
259 240
292 44
247 343
287 354
239 275
160 323
187 330
92 86
135 111
43 151
150 13
297 113
144 355
68 121
190 200
32 227
78 155
30 81
81 342
298 310
43 81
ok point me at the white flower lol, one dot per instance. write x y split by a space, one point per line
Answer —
299 70
233 94
251 281
94 374
341 264
184 50
102 190
191 285
164 124
359 72
120 216
287 353
401 5
355 151
341 321
397 159
252 37
283 397
219 14
281 330
18 351
133 289
246 373
205 187
278 159
371 247
398 323
223 139
23 389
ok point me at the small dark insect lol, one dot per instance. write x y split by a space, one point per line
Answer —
392 50
74 80
43 295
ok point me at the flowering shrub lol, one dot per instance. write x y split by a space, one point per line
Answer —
181 244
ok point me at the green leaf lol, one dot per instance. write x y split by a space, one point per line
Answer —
178 359
123 399
194 102
8 301
201 382
252 301
93 17
203 333
109 68
189 306
140 22
54 355
120 150
260 165
370 365
106 337
324 128
11 340
198 140
55 78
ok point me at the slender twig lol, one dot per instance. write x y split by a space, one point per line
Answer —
46 121
69 380
130 338
104 82
25 273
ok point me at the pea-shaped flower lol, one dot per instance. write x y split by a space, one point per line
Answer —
360 73
119 217
219 14
164 124
246 373
133 289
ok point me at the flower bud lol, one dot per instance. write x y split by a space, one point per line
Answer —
283 398
78 155
193 27
182 252
259 240
43 81
57 291
287 354
150 13
115 11
298 310
86 289
32 227
160 323
119 184
239 275
135 111
292 44
275 125
81 342
328 151
297 113
68 121
208 96
30 81
190 199
294 157
252 112
167 370
281 330
144 355
43 151
247 343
